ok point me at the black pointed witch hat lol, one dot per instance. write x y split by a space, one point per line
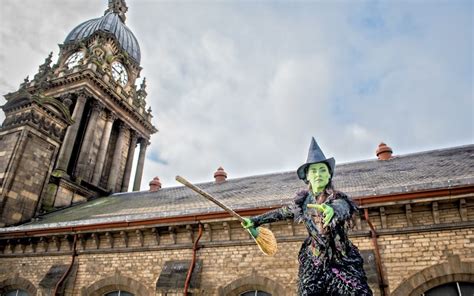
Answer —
315 155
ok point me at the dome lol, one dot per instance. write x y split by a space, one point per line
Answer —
109 23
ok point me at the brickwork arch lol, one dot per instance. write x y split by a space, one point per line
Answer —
452 271
114 283
253 282
17 283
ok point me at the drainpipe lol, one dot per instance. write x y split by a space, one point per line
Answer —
193 262
73 256
378 259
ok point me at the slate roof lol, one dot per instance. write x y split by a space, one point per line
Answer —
430 170
109 23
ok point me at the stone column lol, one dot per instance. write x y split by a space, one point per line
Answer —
97 107
128 166
114 169
104 144
141 161
71 134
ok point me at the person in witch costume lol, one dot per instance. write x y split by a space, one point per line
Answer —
329 264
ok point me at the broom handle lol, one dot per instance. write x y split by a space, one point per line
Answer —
209 197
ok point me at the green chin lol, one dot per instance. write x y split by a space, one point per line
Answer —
318 186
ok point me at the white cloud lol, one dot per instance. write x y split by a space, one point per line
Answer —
245 85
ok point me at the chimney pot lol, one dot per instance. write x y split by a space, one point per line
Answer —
384 152
220 175
155 184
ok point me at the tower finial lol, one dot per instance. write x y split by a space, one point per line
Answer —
118 7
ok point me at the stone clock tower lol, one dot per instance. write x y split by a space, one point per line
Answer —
70 134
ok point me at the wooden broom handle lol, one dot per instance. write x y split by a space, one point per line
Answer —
209 197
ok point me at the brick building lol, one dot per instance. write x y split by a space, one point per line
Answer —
71 227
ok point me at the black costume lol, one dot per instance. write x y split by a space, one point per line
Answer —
329 264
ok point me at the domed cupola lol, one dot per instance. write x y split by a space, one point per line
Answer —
113 22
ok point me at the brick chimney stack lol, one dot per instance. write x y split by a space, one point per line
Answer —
220 175
155 184
384 152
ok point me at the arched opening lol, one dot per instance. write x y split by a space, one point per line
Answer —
451 289
253 285
17 286
116 285
437 278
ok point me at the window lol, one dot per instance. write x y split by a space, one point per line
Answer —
17 293
452 289
255 293
118 293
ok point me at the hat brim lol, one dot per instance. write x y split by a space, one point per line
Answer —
301 171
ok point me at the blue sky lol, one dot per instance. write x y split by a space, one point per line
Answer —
245 85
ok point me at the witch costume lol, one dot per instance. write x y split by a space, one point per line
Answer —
329 264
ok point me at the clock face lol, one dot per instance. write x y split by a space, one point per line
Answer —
74 59
119 73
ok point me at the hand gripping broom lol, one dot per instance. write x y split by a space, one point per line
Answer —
265 240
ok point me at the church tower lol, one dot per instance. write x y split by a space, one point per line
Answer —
70 134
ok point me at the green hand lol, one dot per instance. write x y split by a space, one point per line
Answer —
248 224
327 211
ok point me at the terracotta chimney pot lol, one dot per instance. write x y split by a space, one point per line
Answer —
155 184
384 152
220 175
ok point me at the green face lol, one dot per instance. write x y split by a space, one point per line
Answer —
318 176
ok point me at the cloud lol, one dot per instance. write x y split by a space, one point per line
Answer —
245 85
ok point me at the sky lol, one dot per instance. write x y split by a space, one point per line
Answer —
246 84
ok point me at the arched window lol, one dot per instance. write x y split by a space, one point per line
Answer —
119 293
452 289
255 293
17 292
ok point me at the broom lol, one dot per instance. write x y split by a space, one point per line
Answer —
265 240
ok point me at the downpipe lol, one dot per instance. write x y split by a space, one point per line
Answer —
63 278
193 262
378 259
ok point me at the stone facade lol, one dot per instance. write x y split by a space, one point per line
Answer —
31 135
421 246
74 105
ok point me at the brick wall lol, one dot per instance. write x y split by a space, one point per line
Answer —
135 257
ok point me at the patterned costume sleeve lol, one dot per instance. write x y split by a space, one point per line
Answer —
343 207
272 216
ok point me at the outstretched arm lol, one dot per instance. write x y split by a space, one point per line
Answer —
273 216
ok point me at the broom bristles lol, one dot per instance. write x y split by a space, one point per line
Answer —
266 241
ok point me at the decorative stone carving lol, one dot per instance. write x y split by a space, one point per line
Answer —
208 229
96 239
44 243
139 234
110 239
156 232
82 240
172 230
44 71
57 242
32 244
124 236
